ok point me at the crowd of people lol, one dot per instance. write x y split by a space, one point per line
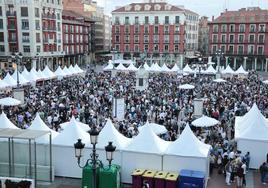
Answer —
90 98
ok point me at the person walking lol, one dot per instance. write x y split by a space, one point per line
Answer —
228 171
240 175
263 170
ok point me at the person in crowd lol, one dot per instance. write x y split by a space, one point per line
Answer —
263 171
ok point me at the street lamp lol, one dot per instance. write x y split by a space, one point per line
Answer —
17 57
79 146
219 54
113 51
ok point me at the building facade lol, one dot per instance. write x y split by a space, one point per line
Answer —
203 36
152 30
32 27
242 36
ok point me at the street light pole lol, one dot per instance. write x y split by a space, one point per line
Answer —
17 58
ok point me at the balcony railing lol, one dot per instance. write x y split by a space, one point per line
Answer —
11 13
47 16
11 27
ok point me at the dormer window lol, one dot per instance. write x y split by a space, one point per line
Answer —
137 7
167 7
128 8
157 7
147 7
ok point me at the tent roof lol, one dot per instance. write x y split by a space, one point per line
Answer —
146 66
187 69
34 72
78 69
3 84
188 145
9 101
175 68
70 134
265 81
121 67
205 121
210 70
186 86
155 68
6 123
241 70
110 66
157 129
21 133
60 72
66 71
110 134
147 142
164 68
29 76
9 80
48 73
228 70
74 122
22 79
131 67
41 75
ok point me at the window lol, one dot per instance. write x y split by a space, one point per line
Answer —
36 12
58 26
37 24
177 19
136 29
223 48
166 48
177 29
250 49
251 39
146 38
117 39
126 29
231 38
240 49
260 50
146 20
176 38
261 39
2 48
13 36
176 47
166 38
127 48
2 37
24 11
146 47
232 28
215 28
231 49
25 24
146 29
262 28
117 29
136 38
156 29
156 48
1 24
25 37
240 38
156 20
214 38
166 29
26 49
156 38
126 20
1 11
136 48
126 39
223 28
117 47
242 28
58 16
166 19
252 28
117 20
214 48
223 38
136 20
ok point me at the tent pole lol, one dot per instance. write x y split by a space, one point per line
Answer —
35 167
9 157
13 166
30 159
50 156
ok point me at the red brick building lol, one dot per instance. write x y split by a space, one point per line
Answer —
76 31
154 30
243 37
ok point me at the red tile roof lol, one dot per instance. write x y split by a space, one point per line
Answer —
250 15
152 8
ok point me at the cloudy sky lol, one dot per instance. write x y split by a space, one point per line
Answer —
202 7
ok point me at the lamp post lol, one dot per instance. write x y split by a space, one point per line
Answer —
199 64
219 54
17 57
113 51
79 146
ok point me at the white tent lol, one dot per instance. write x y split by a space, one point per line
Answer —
251 134
48 73
6 123
74 122
187 69
59 72
205 121
241 70
265 81
67 71
29 76
41 75
155 68
146 66
3 84
9 101
132 68
157 129
210 70
121 67
219 80
187 152
22 79
164 68
63 151
186 86
144 151
9 80
38 124
228 70
34 73
175 68
78 69
109 67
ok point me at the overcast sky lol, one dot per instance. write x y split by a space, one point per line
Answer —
202 7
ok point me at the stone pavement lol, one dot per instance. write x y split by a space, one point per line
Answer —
216 181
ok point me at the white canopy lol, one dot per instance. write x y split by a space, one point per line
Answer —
60 73
78 69
38 124
40 75
210 70
6 123
9 101
157 129
164 68
219 80
146 66
70 134
74 122
9 80
66 71
188 145
131 67
241 70
48 73
175 68
121 67
186 86
34 73
109 67
110 134
205 121
3 84
228 70
155 68
187 69
29 76
266 81
72 69
22 79
147 142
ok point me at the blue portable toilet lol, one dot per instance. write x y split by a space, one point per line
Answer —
191 179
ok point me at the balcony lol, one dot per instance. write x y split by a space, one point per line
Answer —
26 40
11 27
127 41
24 28
166 32
12 40
11 13
176 41
117 23
146 41
46 16
117 41
156 41
49 28
166 41
136 41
